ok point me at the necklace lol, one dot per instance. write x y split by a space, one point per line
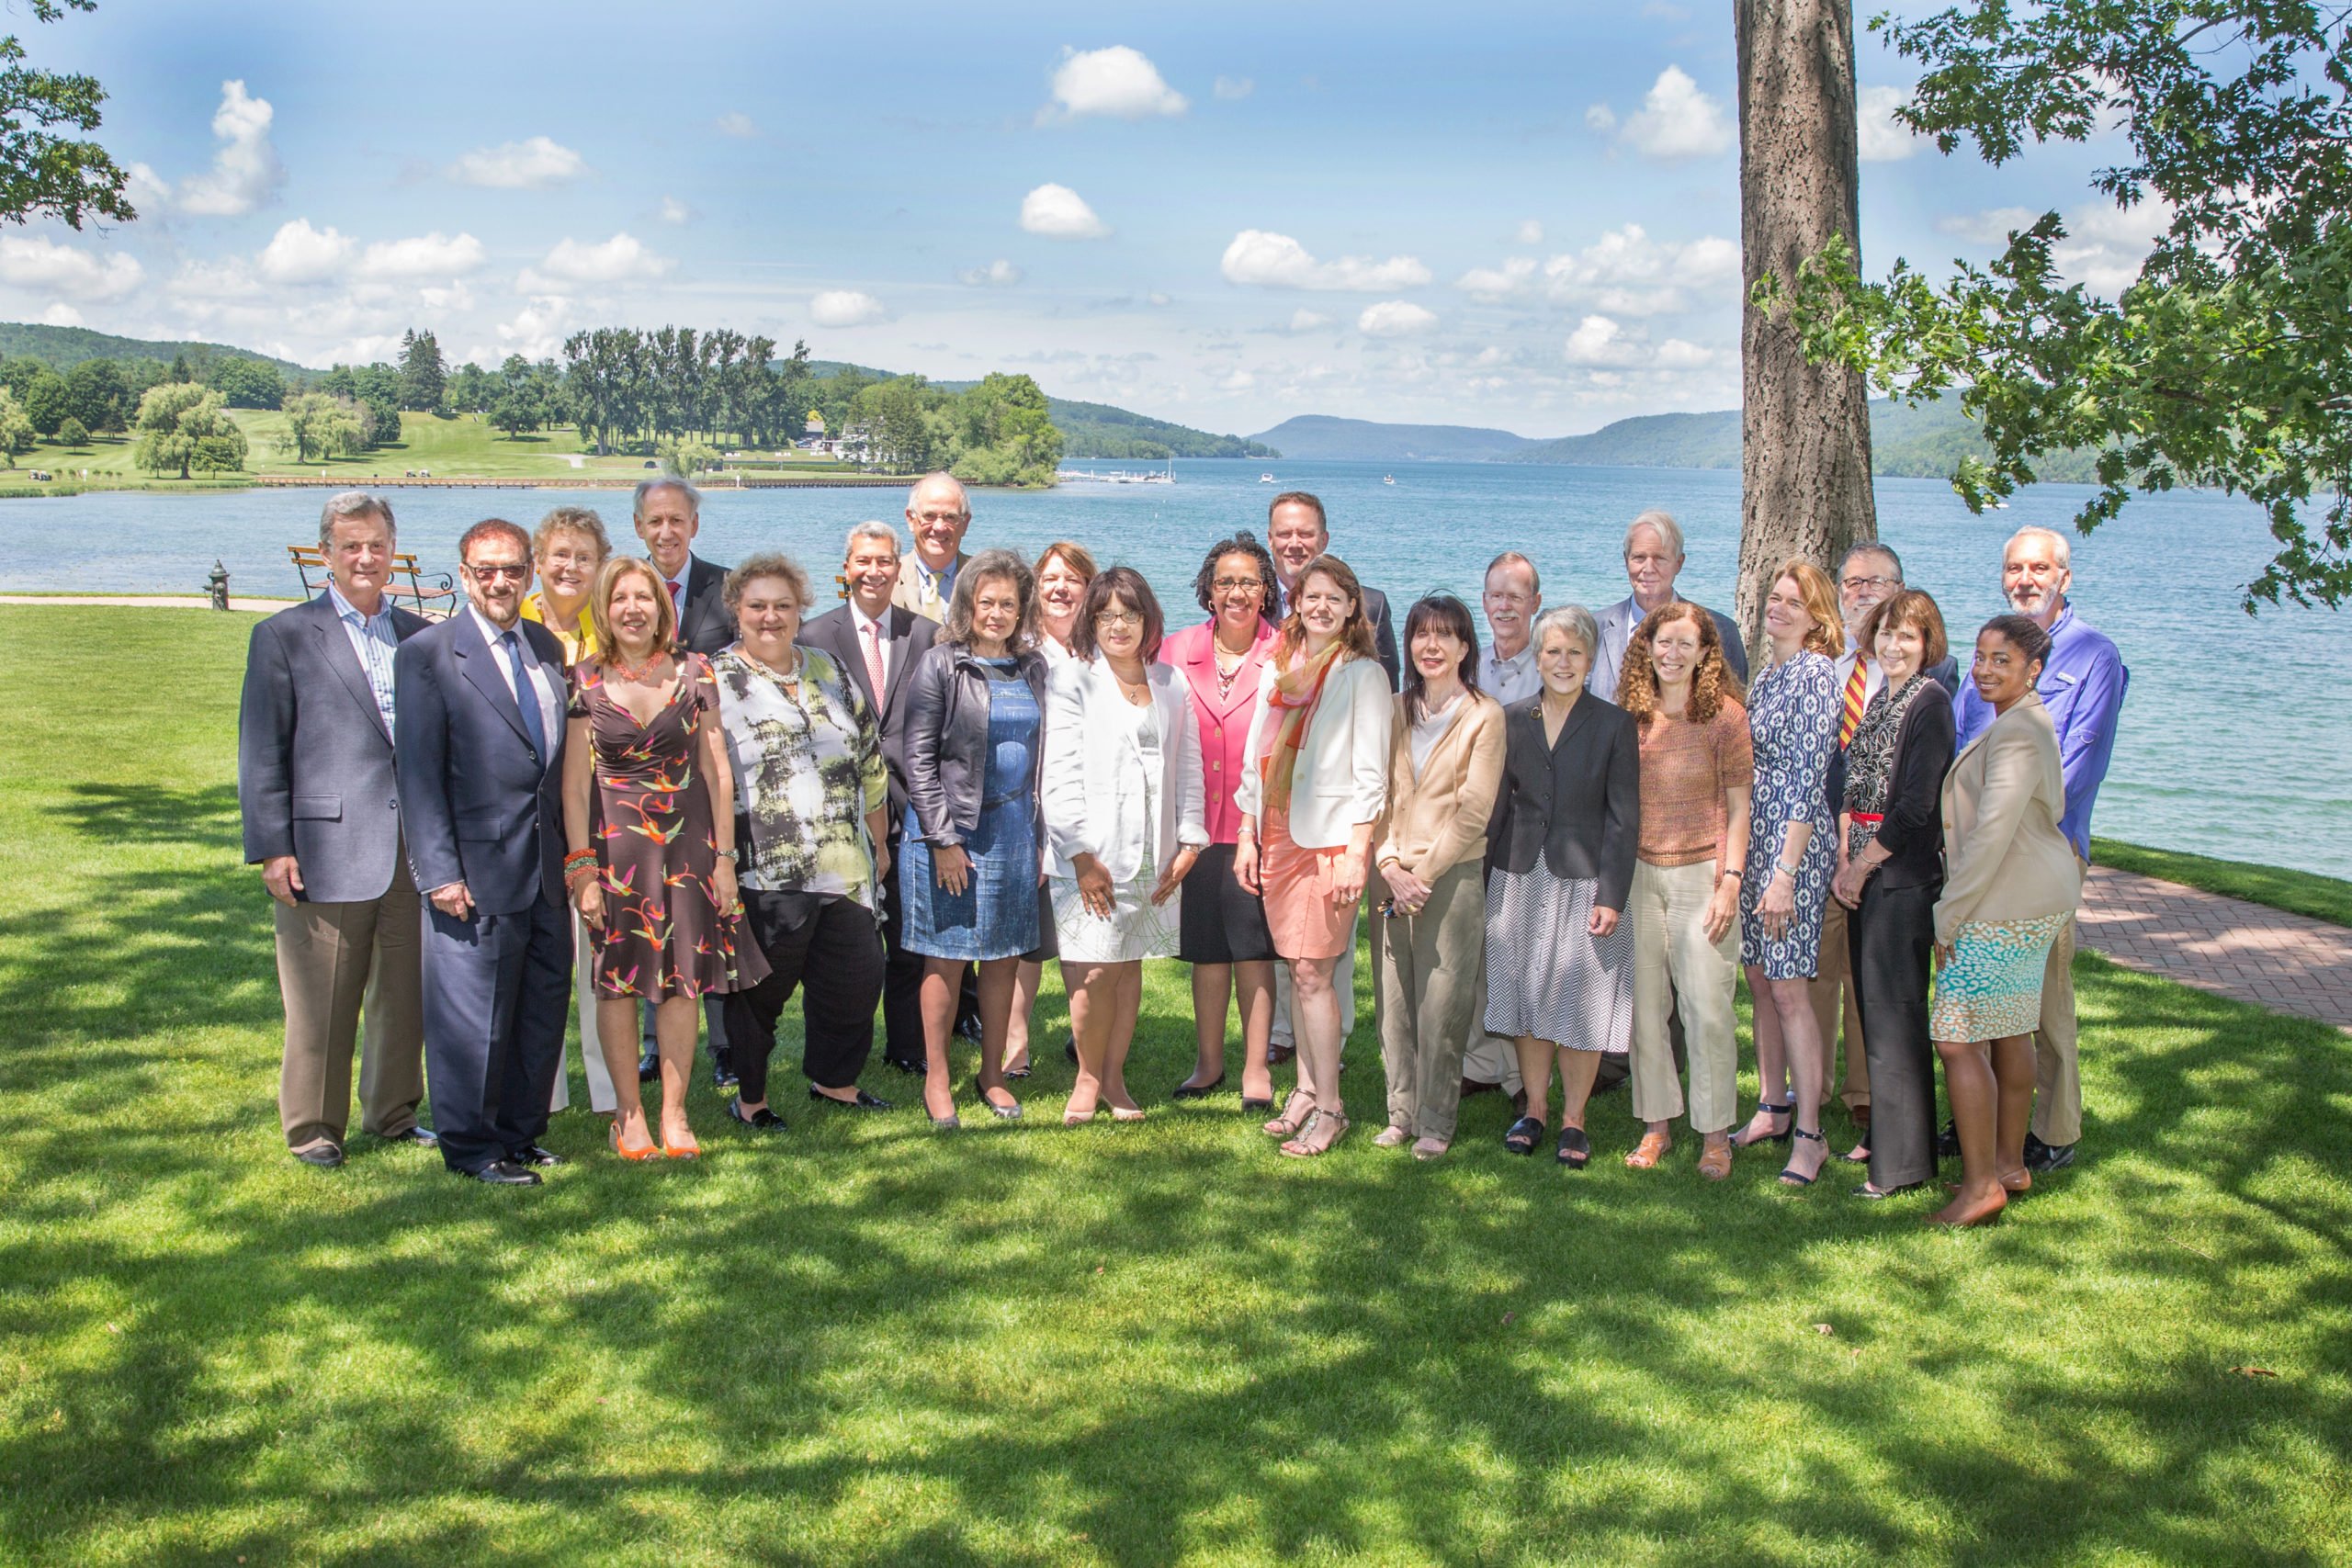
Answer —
1228 667
783 677
637 672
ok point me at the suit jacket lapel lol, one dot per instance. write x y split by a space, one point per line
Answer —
840 641
491 683
900 624
334 646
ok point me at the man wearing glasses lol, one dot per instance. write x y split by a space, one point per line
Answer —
479 756
939 512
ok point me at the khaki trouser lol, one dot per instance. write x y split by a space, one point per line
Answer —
592 1056
1426 979
336 965
1831 977
2057 1077
1676 966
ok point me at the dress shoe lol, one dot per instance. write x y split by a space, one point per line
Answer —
722 1067
504 1173
1473 1087
1197 1090
864 1102
2041 1157
422 1137
535 1154
913 1070
1003 1113
1277 1053
969 1027
326 1156
1069 1050
763 1119
648 1065
1947 1141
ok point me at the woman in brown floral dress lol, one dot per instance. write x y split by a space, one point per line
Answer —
648 810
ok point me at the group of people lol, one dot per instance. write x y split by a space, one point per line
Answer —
683 795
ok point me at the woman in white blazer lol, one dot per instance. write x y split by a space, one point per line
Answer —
1314 784
1122 797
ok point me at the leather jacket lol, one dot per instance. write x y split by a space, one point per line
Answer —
947 739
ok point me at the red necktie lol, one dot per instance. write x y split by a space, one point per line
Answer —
676 591
1856 685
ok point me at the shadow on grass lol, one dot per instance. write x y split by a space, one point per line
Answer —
864 1343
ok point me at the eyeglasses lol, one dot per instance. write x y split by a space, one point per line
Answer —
1855 584
1228 584
493 570
1119 618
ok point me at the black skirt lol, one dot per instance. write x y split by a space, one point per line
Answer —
1222 922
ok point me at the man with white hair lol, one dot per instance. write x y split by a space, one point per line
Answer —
938 514
2082 685
1653 561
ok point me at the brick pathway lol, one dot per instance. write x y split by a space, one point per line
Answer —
2286 962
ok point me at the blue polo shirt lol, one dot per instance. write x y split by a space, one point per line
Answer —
2083 682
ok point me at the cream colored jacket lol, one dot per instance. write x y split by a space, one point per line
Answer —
1341 777
2003 857
1438 821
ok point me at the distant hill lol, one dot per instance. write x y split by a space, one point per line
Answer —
1320 438
61 348
1098 430
1926 442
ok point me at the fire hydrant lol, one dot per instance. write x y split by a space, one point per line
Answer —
217 585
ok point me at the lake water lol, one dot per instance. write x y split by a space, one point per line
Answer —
2234 741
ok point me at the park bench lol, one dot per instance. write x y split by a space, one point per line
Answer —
431 596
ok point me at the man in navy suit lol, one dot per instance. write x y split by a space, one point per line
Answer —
323 820
481 754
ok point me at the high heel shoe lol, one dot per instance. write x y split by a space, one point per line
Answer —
650 1151
1298 1111
1766 1108
1790 1174
1323 1129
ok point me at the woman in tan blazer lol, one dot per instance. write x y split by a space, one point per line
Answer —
1446 763
2011 883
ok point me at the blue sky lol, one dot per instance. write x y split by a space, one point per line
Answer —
1220 214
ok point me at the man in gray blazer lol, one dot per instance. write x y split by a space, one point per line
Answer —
1653 561
323 819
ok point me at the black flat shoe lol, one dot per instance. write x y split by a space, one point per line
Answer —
1576 1149
1197 1090
535 1154
723 1070
944 1123
422 1137
326 1156
763 1119
1520 1137
648 1065
1070 1051
1947 1141
1254 1106
913 1070
864 1102
504 1173
2042 1158
1020 1072
1874 1193
969 1027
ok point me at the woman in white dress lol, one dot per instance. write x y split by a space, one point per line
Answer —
1063 571
1122 801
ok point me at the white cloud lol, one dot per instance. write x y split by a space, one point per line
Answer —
1600 341
997 274
1060 213
1675 121
675 211
1232 89
1529 232
1118 81
60 314
1237 381
1394 318
1603 345
621 259
536 332
1277 261
2104 248
433 255
1305 321
35 261
735 122
1156 298
846 308
532 164
300 253
1882 139
246 172
1674 354
1514 278
1627 273
1991 226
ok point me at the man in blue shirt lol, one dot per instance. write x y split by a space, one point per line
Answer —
2083 682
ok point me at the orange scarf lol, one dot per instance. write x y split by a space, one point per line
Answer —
1295 693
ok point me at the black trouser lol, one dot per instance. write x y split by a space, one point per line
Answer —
831 945
1888 940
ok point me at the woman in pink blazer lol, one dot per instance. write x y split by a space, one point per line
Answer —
1222 931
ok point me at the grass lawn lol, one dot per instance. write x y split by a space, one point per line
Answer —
865 1343
2300 891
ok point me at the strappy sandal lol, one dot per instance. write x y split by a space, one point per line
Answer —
1766 1108
1790 1176
1323 1130
1522 1136
1715 1160
1298 1111
1646 1155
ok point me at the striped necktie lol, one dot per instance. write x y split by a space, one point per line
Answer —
1851 718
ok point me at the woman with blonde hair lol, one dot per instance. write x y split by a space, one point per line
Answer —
649 814
1313 790
1792 851
568 549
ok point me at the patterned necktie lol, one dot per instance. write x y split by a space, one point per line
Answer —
526 696
874 659
1856 683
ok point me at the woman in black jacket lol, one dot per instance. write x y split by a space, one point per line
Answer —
1890 871
969 865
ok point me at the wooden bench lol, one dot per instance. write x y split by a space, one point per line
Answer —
430 596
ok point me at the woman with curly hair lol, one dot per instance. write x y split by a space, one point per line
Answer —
1792 850
1697 769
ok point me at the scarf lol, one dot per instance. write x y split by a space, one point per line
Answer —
1294 694
1869 760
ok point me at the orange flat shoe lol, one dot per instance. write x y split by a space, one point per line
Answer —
650 1151
1715 1161
1646 1155
682 1150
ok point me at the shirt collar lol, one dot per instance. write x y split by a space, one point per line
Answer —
859 620
490 629
347 610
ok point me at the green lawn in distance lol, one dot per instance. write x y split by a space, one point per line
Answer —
865 1343
2298 892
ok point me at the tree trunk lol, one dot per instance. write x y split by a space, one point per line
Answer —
1804 429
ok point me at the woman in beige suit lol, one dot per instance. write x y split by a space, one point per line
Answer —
2010 884
1445 764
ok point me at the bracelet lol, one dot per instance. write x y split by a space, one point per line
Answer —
1785 869
1733 876
577 876
577 859
733 856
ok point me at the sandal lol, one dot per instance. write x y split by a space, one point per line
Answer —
1391 1137
1296 1111
1520 1137
1715 1160
1646 1155
1576 1149
1323 1130
1431 1148
1790 1176
1766 1108
1859 1154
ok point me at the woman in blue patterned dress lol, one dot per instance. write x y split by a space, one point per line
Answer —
1792 850
968 867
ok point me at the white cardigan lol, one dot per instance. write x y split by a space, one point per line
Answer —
1092 789
1341 779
